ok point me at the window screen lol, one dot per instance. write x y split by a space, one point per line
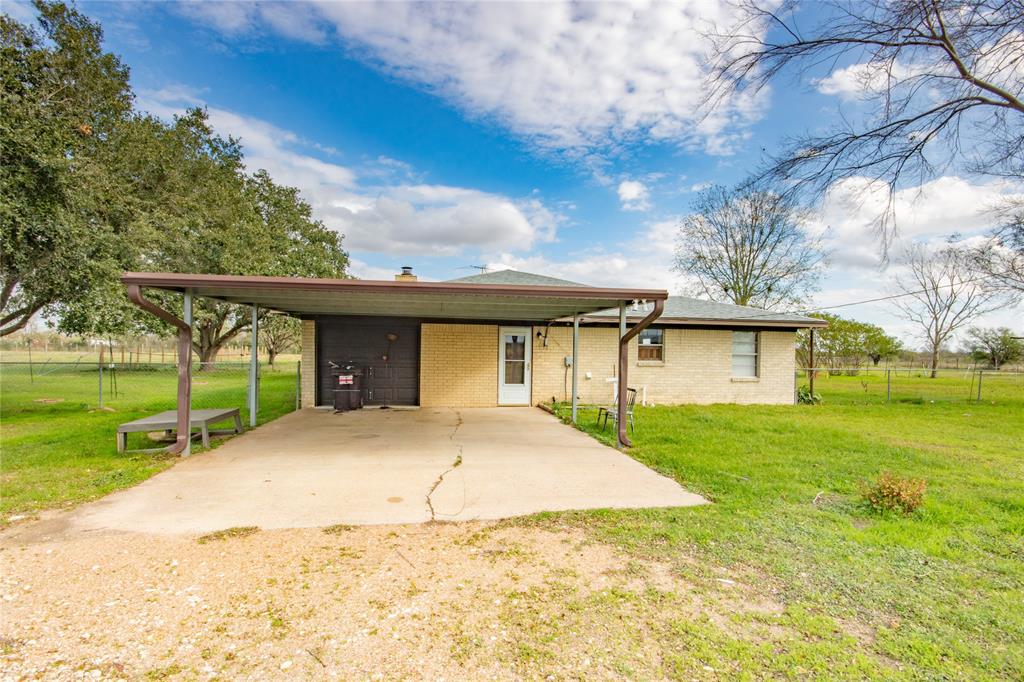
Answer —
744 354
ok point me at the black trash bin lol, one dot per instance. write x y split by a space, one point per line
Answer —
348 387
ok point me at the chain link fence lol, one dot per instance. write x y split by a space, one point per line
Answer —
146 387
860 385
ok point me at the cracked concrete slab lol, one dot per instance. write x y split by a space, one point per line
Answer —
314 468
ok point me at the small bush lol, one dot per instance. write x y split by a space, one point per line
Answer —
894 493
805 397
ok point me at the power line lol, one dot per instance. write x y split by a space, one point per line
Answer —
901 295
780 316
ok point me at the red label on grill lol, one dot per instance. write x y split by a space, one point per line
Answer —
345 379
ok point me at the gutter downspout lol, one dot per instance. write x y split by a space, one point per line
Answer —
620 407
184 365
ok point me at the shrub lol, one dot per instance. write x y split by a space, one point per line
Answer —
894 493
805 397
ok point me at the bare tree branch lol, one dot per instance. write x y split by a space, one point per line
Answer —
942 81
748 247
942 292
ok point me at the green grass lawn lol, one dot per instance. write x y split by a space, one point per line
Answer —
938 594
58 449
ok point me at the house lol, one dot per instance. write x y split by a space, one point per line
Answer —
497 339
695 352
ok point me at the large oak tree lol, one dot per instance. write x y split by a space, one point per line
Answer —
63 100
89 188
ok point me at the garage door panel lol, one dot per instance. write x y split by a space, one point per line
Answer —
387 349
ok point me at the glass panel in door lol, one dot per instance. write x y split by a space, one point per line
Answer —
515 358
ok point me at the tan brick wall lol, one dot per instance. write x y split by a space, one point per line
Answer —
458 365
308 368
697 368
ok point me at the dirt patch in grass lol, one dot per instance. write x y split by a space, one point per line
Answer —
458 601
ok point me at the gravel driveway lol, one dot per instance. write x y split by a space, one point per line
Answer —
434 601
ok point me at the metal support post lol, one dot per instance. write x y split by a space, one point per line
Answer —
888 385
254 369
187 315
575 363
810 361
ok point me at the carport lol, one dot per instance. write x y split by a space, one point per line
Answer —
443 301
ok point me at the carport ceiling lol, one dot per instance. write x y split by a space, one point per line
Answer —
444 300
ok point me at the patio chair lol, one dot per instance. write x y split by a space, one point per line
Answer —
613 412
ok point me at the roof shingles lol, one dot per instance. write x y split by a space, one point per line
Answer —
677 308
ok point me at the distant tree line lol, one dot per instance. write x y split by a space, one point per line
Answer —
994 346
90 187
846 344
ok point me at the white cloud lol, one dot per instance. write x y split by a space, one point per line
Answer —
20 10
643 261
634 195
295 20
443 221
859 81
568 76
933 211
363 270
397 218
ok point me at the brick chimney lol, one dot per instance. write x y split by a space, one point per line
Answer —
405 275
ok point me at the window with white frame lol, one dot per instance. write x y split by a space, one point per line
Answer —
744 354
652 345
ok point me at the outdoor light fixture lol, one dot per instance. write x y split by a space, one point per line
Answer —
391 337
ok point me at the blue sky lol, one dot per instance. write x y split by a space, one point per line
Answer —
556 139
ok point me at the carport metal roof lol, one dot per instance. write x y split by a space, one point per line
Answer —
445 300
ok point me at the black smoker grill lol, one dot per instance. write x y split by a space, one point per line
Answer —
348 387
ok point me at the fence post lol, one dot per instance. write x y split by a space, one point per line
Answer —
981 373
888 385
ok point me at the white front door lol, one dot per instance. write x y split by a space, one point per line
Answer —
515 351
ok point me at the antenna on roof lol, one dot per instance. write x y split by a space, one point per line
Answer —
481 268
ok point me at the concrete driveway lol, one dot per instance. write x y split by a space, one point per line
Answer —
314 468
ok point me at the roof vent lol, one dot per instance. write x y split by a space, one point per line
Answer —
405 275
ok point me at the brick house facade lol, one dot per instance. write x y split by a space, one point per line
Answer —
696 361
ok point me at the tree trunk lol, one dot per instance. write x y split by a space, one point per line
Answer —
207 355
935 361
271 354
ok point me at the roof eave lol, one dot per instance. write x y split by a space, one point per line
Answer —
183 281
718 321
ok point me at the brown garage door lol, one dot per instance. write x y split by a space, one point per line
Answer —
388 350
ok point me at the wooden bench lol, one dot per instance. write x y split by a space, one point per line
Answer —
168 422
